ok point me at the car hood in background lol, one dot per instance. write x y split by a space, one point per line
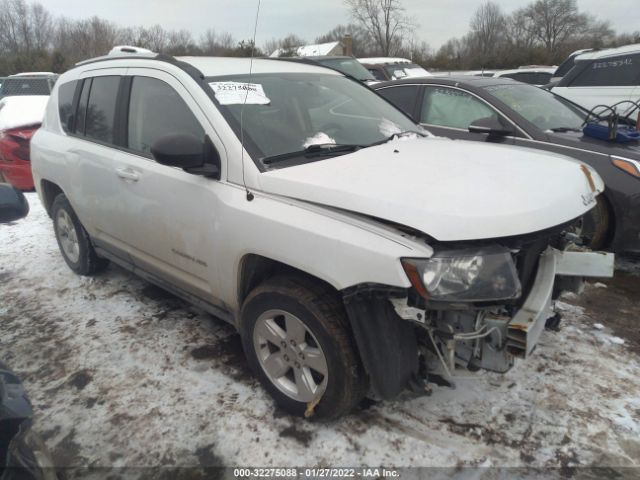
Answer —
22 111
450 190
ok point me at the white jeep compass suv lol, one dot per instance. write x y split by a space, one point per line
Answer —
353 251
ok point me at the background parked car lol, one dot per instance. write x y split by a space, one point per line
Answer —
391 68
29 83
502 110
20 117
566 66
347 65
532 75
603 77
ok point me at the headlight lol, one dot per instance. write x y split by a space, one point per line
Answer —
474 275
632 167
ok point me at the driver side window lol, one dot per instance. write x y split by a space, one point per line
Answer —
156 110
448 107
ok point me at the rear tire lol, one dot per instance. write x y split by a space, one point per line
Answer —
73 240
296 338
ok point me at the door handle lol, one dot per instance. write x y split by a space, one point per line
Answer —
127 174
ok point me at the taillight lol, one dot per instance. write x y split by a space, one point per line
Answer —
15 143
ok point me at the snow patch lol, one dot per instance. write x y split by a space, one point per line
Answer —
22 111
319 138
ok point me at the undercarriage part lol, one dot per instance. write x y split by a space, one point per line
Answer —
387 344
553 323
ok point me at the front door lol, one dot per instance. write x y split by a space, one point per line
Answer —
168 216
448 112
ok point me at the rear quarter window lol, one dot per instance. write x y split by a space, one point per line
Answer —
610 72
66 93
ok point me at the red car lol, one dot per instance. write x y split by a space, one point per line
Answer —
23 98
15 164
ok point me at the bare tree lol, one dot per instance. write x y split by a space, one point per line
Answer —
487 28
384 20
286 47
212 43
556 21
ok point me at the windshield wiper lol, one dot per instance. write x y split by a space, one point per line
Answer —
316 150
564 129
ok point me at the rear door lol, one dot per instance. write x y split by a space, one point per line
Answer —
90 152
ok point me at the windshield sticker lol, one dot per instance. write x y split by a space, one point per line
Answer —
319 138
614 63
238 93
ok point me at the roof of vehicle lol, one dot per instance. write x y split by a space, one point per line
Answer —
453 80
216 66
525 70
609 52
383 60
329 57
33 74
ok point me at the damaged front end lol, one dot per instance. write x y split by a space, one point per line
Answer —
474 305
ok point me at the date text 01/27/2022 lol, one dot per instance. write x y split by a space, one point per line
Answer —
315 473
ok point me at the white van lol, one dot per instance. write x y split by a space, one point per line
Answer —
603 77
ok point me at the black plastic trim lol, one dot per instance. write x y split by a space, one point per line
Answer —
387 344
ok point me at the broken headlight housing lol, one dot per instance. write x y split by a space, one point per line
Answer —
468 275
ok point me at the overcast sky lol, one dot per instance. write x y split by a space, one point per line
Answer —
439 20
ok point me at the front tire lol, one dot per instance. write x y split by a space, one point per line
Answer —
73 239
594 225
297 342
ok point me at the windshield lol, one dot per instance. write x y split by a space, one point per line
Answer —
348 66
288 112
540 107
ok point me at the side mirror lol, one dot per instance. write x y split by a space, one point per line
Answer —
188 152
13 204
491 126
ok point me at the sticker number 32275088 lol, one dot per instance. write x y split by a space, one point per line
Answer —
237 93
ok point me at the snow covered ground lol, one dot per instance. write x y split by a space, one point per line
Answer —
123 374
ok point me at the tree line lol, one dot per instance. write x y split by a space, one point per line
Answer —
543 32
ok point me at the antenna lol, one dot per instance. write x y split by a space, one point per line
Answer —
246 95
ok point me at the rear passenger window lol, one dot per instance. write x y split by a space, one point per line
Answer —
65 105
156 110
610 72
101 108
402 97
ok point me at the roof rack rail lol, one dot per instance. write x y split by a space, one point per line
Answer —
121 51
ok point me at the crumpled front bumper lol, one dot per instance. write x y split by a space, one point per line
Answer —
524 329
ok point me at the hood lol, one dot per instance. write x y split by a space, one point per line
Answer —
451 190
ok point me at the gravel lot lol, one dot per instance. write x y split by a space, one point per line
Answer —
123 374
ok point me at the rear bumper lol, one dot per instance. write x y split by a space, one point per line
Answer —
17 174
524 329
